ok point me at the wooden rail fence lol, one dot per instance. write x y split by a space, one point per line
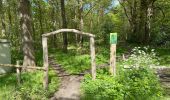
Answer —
20 67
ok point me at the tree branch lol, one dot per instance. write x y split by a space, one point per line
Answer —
125 10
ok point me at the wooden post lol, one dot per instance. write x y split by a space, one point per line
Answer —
93 64
45 61
18 73
113 59
123 57
113 41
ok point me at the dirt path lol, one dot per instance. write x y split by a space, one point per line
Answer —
69 89
164 75
70 84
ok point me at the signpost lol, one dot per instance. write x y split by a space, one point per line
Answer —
113 42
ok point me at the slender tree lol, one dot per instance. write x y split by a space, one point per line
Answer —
40 16
64 25
81 20
53 20
10 20
3 29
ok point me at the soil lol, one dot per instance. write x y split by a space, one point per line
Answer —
164 76
69 88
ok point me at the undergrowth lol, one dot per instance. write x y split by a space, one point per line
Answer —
137 82
134 84
31 87
74 62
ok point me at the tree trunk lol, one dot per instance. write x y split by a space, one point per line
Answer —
81 21
148 18
33 32
75 26
10 21
26 33
53 20
3 30
91 19
40 18
64 25
139 16
16 26
146 13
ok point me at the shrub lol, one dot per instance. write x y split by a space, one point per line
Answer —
139 80
104 87
136 83
140 84
141 57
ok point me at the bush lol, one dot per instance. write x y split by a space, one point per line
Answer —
139 80
136 83
141 57
140 84
104 87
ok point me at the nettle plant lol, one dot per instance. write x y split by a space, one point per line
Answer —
141 57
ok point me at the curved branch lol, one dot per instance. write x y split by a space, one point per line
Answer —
95 3
90 10
160 9
68 30
125 10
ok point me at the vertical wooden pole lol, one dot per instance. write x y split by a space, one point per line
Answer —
113 59
18 73
45 61
93 63
123 57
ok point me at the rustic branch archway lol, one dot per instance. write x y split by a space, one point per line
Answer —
45 51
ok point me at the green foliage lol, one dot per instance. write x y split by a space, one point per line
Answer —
75 62
107 28
72 62
164 56
134 84
30 89
17 55
138 82
39 57
141 57
160 31
104 87
102 55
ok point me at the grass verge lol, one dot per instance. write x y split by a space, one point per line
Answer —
31 87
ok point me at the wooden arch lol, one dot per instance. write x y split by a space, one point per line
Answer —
45 51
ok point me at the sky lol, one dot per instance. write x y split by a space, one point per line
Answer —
115 2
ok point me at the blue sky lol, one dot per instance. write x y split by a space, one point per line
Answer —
115 2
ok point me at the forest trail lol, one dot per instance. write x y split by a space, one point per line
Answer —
164 76
69 88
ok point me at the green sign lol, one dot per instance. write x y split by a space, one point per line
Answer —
113 38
